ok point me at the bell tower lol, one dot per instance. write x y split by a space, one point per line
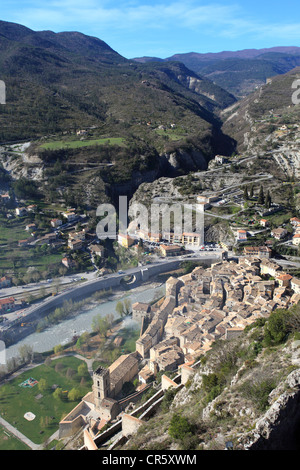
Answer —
101 385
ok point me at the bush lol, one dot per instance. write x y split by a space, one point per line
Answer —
213 384
259 392
277 328
168 399
179 427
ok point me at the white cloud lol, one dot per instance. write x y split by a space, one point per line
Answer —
145 21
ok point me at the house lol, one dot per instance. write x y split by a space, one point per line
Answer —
146 375
74 244
241 235
69 215
269 267
264 223
208 199
295 285
202 201
279 233
31 208
258 251
81 132
97 250
7 304
24 242
68 262
170 360
5 282
172 250
193 239
295 221
125 240
172 237
49 237
30 227
118 341
155 237
296 239
21 211
77 235
5 198
284 279
56 223
220 159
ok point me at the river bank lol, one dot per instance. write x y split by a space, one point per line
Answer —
63 332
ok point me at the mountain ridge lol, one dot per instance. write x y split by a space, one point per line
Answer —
239 72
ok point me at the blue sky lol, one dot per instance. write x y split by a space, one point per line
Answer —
162 28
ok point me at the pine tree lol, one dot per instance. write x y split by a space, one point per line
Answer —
261 197
268 200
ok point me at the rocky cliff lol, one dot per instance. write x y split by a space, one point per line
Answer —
244 392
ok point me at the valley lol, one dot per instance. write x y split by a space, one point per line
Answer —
84 127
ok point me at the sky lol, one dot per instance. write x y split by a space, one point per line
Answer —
162 28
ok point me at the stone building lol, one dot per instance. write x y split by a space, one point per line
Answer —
141 310
102 404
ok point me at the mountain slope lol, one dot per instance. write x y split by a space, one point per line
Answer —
69 80
244 392
160 119
239 72
270 105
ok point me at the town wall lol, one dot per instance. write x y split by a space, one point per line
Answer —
130 425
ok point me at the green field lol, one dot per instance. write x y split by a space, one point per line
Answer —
12 230
16 401
170 134
9 442
74 144
19 260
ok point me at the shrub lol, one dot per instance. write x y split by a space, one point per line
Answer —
213 385
258 392
179 427
276 328
168 399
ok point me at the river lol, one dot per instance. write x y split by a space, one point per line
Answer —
63 332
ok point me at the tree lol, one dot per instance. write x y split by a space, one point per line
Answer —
277 327
58 393
81 370
120 308
83 340
74 394
123 308
100 325
251 191
268 200
246 196
42 385
127 306
58 349
261 197
25 352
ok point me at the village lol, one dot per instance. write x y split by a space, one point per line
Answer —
78 248
208 304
